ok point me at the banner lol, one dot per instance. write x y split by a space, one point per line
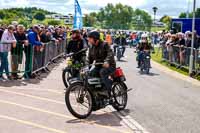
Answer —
78 21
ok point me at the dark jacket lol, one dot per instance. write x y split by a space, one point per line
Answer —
20 41
120 41
144 46
1 33
74 47
101 54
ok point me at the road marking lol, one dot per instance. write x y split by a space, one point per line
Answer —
41 98
58 102
60 115
130 122
31 124
31 96
37 89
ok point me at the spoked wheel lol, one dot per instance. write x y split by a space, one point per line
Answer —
142 67
120 95
66 75
78 101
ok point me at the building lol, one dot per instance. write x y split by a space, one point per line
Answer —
68 19
185 24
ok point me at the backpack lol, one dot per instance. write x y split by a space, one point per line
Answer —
1 33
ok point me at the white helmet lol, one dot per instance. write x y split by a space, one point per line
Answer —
144 36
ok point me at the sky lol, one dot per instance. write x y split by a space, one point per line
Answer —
165 7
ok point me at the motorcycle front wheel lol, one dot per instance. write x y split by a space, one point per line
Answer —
78 101
120 95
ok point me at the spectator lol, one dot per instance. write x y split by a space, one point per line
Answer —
34 41
17 52
108 38
1 32
7 40
181 44
43 35
171 42
57 36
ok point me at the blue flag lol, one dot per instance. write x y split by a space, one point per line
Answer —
78 21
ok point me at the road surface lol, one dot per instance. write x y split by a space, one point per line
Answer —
159 103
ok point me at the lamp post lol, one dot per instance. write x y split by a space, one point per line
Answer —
119 11
155 9
193 30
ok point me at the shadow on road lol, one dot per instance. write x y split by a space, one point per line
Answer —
122 61
150 74
104 119
40 76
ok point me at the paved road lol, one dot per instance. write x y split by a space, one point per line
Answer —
38 106
160 102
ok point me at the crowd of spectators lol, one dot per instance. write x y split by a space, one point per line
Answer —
17 41
177 47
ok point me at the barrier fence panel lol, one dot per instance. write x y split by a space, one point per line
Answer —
45 55
180 56
25 60
197 60
17 61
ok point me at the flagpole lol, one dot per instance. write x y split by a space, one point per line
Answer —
192 47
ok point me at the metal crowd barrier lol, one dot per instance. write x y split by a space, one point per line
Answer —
18 60
180 56
26 60
43 56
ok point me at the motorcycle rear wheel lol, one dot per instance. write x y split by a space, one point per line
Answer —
119 91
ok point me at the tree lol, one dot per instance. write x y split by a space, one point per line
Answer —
39 16
142 20
116 17
198 13
184 14
90 20
53 22
2 15
167 20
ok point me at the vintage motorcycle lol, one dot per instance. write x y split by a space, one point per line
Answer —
84 96
145 62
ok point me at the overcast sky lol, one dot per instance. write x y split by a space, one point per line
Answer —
168 7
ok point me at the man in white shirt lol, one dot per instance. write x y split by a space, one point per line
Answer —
7 40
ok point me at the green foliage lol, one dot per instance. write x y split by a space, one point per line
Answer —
24 16
89 20
53 22
118 17
167 20
39 16
142 20
184 14
2 14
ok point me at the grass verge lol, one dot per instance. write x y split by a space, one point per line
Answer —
157 57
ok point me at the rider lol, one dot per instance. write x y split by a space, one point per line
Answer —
143 46
120 40
75 45
101 53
